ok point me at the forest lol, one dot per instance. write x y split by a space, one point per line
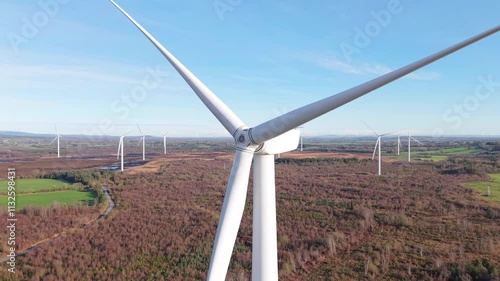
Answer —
336 221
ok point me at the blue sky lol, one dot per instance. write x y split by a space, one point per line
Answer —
84 66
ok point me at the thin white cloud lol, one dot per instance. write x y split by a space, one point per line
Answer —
36 72
83 74
360 132
257 79
28 104
332 63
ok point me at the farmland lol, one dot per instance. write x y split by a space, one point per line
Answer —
51 198
37 185
443 154
47 207
482 187
46 192
430 154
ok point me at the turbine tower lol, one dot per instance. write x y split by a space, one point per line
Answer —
120 152
409 145
165 143
399 144
143 140
58 136
259 144
377 144
301 140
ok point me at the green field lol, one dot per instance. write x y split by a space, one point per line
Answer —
435 158
33 185
436 155
43 192
47 198
482 188
459 150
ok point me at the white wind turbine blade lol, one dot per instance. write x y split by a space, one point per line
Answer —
375 149
231 214
297 117
225 116
416 140
370 128
120 143
140 130
386 134
53 140
234 200
140 141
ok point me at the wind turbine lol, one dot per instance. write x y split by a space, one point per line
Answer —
399 144
259 144
409 145
165 143
120 151
379 145
58 136
143 140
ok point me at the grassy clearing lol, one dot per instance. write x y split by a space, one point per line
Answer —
460 150
482 187
33 185
437 158
436 155
428 156
48 198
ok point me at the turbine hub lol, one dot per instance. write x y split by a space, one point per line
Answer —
243 140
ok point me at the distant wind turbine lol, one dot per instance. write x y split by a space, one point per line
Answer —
143 140
165 143
58 136
379 145
257 146
409 145
120 152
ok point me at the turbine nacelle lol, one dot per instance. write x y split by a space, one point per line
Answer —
283 143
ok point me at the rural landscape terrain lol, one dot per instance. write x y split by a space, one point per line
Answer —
223 140
434 218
